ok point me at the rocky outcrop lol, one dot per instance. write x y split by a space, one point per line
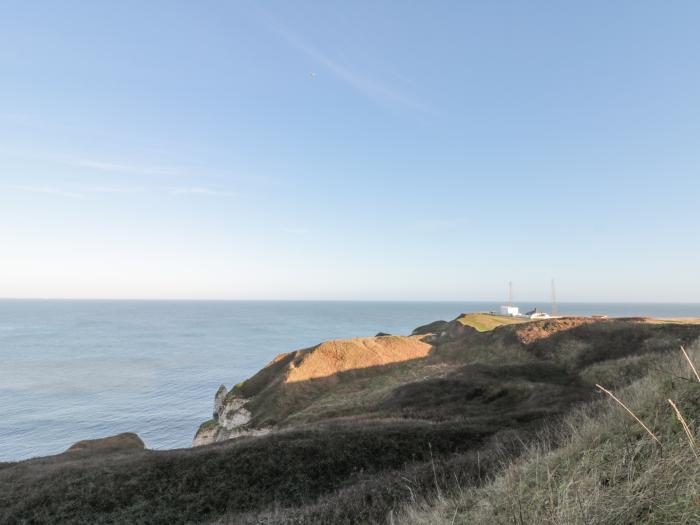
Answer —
214 431
230 417
219 398
125 441
234 414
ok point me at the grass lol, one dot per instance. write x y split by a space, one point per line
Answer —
209 424
601 466
289 469
363 394
483 322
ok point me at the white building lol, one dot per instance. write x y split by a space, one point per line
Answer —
510 310
534 314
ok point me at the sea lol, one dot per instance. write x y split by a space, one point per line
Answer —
83 369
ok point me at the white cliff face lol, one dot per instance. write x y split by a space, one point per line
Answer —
219 398
234 414
204 436
230 418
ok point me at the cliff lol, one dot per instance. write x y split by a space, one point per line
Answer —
411 376
352 431
289 388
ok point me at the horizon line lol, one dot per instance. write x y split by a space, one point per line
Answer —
470 301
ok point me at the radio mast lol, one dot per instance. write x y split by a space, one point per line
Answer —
554 299
510 293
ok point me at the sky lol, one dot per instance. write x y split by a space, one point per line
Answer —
350 150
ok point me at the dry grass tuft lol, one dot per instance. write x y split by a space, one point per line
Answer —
690 362
686 428
630 412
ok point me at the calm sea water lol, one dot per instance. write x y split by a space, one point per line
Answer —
72 370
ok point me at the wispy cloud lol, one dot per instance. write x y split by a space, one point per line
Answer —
86 192
371 88
50 190
113 189
198 190
121 168
296 231
436 224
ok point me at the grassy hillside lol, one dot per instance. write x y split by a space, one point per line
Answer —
600 465
359 377
487 322
355 440
191 485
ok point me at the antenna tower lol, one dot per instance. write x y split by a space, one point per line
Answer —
510 293
554 299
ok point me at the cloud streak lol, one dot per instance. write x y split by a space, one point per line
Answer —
121 168
113 189
51 191
436 224
198 190
372 89
85 192
296 231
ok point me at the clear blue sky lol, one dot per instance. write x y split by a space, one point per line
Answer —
350 150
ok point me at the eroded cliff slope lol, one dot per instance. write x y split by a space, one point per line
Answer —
445 370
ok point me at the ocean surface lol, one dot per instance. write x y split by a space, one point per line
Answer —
72 370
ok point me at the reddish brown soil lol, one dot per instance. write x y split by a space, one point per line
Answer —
535 331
